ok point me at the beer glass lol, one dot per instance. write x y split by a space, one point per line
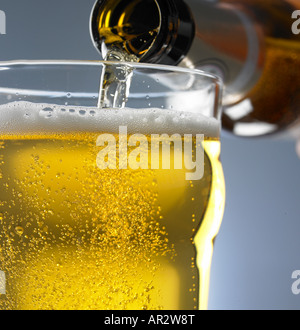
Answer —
113 207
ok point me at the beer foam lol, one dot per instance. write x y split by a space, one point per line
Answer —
36 118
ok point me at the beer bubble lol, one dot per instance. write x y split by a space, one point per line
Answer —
19 230
46 112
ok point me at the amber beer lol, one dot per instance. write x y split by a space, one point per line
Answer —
74 236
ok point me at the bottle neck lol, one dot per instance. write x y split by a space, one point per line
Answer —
155 31
176 33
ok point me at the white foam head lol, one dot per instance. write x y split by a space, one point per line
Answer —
31 118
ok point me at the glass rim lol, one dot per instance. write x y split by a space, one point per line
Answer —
210 81
168 68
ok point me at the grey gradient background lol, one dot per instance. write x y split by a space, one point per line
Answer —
258 247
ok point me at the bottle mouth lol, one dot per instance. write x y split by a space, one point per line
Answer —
131 26
154 31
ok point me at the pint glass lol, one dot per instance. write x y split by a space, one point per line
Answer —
112 208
